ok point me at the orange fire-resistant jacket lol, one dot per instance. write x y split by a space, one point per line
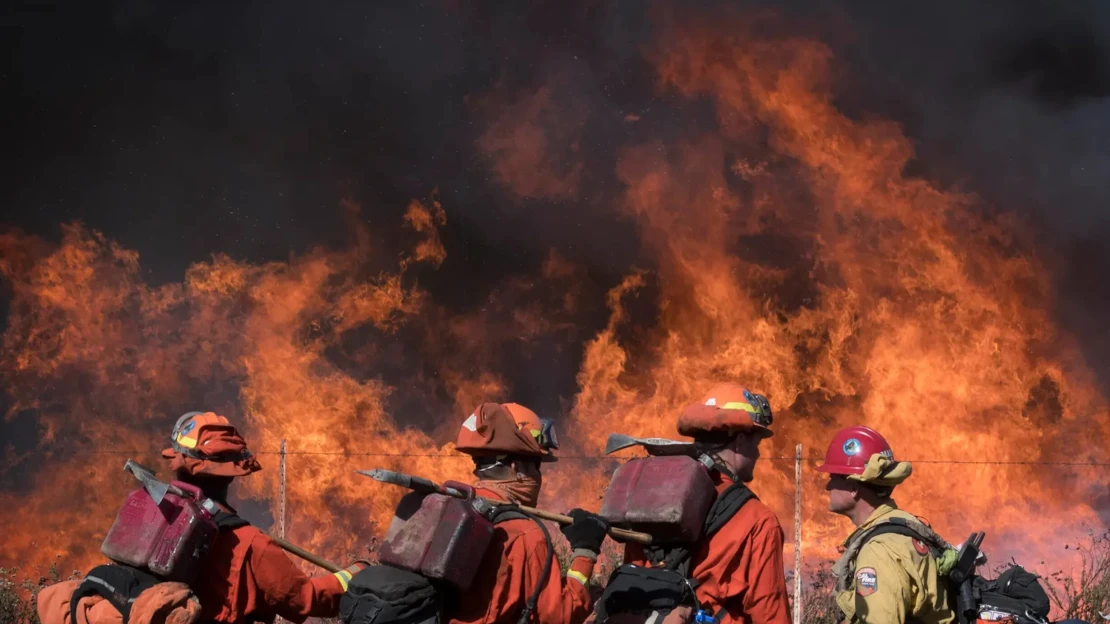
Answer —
512 569
164 603
739 569
247 574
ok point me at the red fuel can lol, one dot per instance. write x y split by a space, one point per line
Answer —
438 536
169 538
667 497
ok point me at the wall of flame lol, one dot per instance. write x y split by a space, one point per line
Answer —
786 247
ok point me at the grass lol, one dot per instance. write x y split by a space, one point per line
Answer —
1087 595
18 592
818 599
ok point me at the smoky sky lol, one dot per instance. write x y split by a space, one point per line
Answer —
184 129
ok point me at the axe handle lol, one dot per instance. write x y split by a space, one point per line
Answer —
623 534
423 485
304 554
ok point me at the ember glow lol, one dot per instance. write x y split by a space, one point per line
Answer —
785 246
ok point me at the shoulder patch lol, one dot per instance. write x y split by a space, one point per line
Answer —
867 582
920 547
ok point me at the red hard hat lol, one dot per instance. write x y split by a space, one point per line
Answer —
851 448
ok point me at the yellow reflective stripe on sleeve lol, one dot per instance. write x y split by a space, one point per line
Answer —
740 406
578 576
344 577
187 442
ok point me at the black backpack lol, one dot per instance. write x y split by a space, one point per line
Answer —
1016 592
667 584
383 594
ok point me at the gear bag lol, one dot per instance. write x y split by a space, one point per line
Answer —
388 594
1016 592
656 591
383 593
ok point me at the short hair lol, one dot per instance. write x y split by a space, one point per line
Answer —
884 492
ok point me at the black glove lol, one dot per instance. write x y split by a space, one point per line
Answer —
587 531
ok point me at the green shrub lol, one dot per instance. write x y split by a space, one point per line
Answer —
19 590
1087 595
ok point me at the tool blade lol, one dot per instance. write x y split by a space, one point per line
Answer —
155 488
654 446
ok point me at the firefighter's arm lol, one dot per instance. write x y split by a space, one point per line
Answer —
882 586
564 599
288 591
766 597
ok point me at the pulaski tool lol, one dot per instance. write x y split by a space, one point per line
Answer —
418 484
658 447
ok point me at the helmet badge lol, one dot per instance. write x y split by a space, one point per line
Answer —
852 447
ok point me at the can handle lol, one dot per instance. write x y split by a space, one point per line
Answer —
188 488
465 489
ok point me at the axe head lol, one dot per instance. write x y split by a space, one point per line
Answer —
401 479
155 488
653 446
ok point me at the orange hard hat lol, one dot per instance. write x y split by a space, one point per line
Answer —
507 429
207 443
727 407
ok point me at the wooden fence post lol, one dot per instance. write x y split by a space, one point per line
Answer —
798 534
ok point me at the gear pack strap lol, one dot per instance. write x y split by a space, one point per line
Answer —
845 568
227 521
898 526
723 509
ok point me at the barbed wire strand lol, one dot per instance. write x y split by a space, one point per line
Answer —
456 456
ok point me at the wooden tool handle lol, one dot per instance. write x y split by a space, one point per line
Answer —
623 534
307 556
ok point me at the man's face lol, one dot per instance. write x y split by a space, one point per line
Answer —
741 456
527 468
842 494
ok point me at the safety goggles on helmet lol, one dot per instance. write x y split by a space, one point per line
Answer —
761 415
186 435
182 428
547 439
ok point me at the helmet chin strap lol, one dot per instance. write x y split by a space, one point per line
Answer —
713 462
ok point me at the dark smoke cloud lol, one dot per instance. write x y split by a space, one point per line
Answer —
1007 100
182 129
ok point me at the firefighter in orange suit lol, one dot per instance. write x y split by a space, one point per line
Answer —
739 569
508 443
245 576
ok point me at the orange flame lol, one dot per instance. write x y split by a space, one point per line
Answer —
790 251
